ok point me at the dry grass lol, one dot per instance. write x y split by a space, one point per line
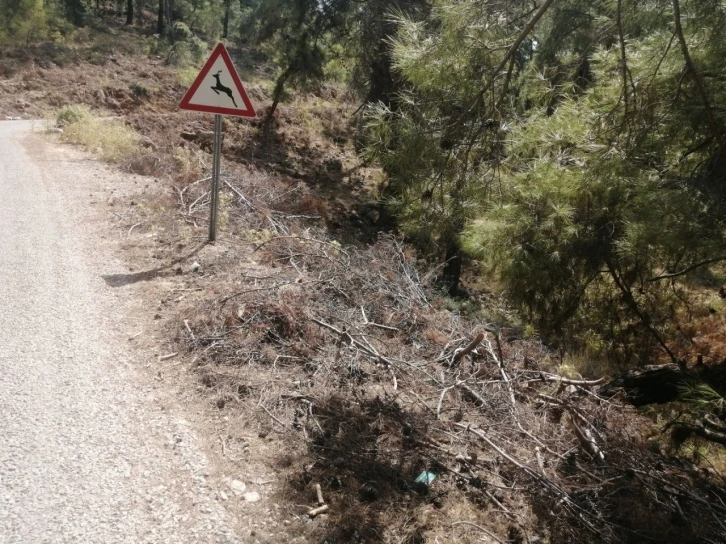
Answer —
111 140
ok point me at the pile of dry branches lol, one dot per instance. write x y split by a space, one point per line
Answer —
351 351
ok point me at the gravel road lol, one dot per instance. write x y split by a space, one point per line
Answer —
86 453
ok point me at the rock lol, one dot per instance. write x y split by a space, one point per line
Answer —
237 487
252 496
223 495
195 266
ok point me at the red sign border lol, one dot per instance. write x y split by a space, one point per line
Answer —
185 104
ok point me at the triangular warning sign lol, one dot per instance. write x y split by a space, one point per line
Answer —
218 88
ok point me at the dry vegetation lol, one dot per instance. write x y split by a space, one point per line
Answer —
346 355
350 352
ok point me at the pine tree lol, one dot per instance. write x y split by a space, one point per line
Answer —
613 186
442 144
298 34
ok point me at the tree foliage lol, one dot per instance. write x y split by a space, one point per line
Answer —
579 156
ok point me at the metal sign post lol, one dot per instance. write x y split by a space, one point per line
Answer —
214 196
218 90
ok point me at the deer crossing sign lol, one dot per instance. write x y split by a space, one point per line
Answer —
218 89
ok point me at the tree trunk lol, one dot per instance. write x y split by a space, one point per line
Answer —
700 429
130 12
658 384
451 275
226 18
160 26
635 308
382 86
167 8
276 97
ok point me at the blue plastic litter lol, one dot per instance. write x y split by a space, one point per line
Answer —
426 478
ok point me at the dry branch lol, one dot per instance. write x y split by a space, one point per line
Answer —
482 529
586 440
471 346
317 511
319 493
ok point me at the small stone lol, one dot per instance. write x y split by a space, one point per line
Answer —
252 496
223 495
237 487
195 266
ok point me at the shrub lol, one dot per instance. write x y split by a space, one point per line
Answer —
72 114
188 49
186 76
140 90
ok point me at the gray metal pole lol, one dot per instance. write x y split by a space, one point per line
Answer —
216 159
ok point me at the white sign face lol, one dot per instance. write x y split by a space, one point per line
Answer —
218 88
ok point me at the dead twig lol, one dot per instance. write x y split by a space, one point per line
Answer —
371 324
317 511
240 195
271 414
319 493
482 529
169 356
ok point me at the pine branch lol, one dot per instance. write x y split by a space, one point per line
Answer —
688 269
510 53
692 69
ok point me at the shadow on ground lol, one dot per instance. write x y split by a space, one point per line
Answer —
120 280
366 458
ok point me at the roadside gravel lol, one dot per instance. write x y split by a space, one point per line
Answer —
89 450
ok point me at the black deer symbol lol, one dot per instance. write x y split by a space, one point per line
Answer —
219 87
